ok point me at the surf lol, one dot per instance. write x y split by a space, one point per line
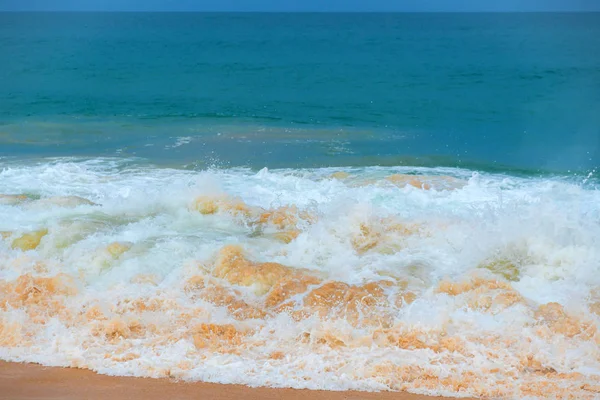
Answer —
433 280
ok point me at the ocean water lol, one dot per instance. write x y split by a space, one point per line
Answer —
324 201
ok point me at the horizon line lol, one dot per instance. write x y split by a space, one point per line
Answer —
311 11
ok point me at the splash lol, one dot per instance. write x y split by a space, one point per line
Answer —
306 279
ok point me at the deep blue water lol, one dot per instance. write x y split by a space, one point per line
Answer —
488 91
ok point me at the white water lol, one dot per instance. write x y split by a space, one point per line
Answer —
449 342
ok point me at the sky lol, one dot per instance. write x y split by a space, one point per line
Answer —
300 5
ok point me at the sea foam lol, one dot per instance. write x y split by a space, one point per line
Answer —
438 281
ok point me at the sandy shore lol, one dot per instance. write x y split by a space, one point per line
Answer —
32 381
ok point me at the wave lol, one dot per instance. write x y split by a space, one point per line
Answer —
433 280
249 142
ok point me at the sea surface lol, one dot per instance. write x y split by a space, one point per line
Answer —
323 201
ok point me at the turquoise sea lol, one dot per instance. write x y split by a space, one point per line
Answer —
405 202
492 91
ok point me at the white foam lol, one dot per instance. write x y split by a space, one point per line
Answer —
551 224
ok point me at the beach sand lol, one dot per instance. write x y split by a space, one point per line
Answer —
31 381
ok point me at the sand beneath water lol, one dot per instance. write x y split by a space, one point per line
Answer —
32 381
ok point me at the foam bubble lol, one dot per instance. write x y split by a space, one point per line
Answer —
438 281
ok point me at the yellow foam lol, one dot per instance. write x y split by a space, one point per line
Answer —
29 241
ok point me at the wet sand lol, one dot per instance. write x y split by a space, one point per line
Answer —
32 382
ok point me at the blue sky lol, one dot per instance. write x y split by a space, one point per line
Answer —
300 5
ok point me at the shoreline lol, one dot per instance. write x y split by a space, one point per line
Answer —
20 381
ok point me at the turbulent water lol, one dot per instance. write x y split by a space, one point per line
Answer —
439 281
368 202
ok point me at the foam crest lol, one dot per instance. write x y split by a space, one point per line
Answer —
438 281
